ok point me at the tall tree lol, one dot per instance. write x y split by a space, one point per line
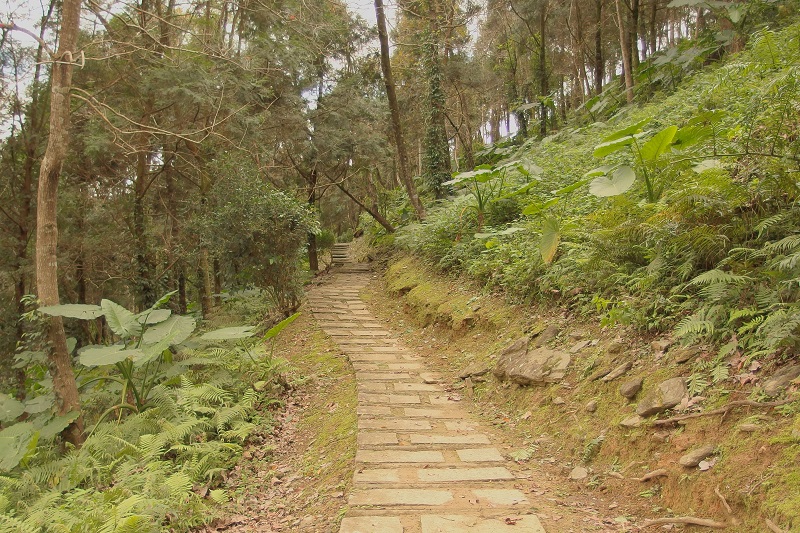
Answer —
394 110
60 362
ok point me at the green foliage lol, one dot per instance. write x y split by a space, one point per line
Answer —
156 465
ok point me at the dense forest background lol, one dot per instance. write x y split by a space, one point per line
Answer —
218 147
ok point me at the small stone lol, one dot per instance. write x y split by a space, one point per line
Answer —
549 333
576 334
474 370
591 407
578 473
661 436
597 374
631 388
693 458
660 346
749 428
683 355
580 345
634 421
781 379
666 396
617 372
615 348
558 400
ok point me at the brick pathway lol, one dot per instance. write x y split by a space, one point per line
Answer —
422 465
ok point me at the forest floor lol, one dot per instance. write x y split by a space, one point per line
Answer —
376 432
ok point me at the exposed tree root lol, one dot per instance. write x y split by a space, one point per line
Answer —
722 410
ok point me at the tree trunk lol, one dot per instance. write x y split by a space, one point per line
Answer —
145 291
380 219
436 162
599 71
633 34
204 279
59 360
313 259
544 86
626 54
394 110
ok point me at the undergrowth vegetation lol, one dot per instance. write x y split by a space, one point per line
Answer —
678 215
169 412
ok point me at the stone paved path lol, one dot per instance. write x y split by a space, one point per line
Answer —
422 465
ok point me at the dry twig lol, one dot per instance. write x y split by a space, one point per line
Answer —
772 527
724 501
651 475
689 520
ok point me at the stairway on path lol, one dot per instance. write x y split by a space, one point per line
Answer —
340 253
423 465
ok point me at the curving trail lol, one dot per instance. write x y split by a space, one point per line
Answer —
423 464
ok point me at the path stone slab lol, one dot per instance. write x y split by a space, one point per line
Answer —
401 497
382 376
474 524
501 496
397 424
449 439
376 438
415 387
371 524
438 399
398 456
432 413
480 455
378 475
374 410
372 386
459 425
373 357
388 398
448 475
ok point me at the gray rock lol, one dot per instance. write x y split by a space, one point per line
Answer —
515 351
781 379
666 396
693 458
474 370
749 428
615 347
558 400
599 373
545 336
591 407
683 355
631 388
580 345
520 365
617 372
660 346
578 473
634 421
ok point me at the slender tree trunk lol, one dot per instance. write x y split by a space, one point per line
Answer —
544 86
145 292
633 33
380 219
204 279
436 163
653 30
626 54
60 362
313 259
394 110
217 283
599 63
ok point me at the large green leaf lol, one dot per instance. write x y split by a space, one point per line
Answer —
82 311
120 320
98 355
481 175
10 408
153 316
174 330
57 425
658 144
537 207
277 328
15 443
619 182
551 236
40 404
229 334
609 147
163 300
633 129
